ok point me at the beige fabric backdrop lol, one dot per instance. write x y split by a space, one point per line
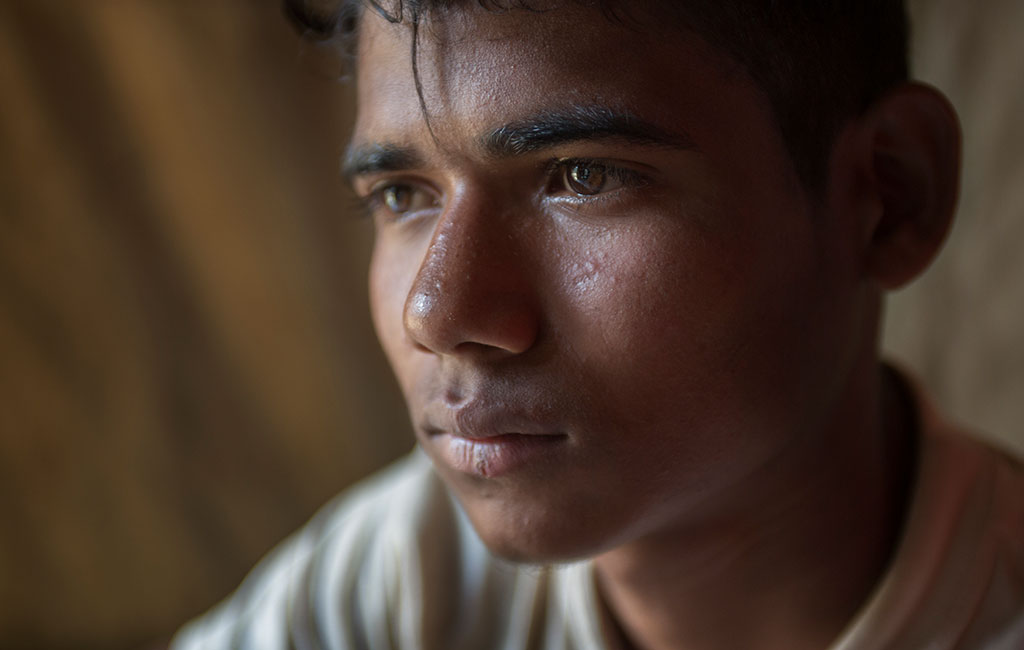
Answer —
962 325
186 365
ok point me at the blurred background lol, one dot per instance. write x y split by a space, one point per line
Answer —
187 367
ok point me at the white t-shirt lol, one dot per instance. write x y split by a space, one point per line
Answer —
394 563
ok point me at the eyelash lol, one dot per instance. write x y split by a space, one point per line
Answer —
374 201
556 171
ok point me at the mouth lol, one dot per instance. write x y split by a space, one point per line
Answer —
496 455
490 441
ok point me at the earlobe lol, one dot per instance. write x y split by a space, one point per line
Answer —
910 164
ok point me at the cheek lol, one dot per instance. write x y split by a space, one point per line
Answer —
646 292
391 276
685 322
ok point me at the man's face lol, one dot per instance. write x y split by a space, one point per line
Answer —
602 289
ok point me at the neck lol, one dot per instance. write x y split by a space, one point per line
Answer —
788 568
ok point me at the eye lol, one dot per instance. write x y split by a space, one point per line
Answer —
402 199
584 178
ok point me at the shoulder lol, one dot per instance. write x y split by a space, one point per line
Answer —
395 564
971 495
334 583
957 579
980 488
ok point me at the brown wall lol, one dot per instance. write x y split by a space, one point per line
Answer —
186 364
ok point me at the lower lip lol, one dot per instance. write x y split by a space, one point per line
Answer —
497 455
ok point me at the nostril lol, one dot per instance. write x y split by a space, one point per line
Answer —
464 319
470 293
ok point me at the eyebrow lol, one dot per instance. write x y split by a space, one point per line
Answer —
375 158
542 131
550 129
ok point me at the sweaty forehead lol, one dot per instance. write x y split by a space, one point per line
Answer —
479 69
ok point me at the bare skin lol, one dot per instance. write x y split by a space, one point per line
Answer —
635 336
789 573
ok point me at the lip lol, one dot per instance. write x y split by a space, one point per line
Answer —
495 455
487 439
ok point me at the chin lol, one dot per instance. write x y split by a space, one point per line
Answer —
536 535
533 551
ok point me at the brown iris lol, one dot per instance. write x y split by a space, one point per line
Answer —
585 178
397 198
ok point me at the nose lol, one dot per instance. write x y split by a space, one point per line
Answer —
473 292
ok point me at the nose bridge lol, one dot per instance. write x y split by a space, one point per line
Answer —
472 290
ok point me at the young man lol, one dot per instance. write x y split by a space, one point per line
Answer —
629 266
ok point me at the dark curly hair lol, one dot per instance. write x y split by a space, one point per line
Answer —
819 62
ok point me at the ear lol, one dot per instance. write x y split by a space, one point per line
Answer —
902 166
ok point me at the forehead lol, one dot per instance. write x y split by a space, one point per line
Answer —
479 69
